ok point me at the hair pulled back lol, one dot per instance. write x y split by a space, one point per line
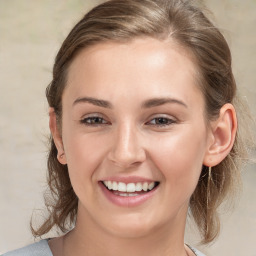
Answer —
121 21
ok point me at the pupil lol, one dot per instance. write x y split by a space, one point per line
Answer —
161 120
96 120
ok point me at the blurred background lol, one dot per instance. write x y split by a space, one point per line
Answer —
30 34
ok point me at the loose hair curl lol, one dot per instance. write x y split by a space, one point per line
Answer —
184 22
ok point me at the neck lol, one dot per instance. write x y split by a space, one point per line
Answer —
89 239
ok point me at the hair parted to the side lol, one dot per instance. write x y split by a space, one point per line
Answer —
185 23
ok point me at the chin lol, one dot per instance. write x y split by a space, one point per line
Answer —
131 227
131 232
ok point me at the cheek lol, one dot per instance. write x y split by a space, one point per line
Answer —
84 154
179 157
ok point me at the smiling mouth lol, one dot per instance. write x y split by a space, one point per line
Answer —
130 189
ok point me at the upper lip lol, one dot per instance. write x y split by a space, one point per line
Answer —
128 179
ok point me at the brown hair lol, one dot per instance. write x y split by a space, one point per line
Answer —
184 22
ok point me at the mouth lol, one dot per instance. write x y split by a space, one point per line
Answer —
130 189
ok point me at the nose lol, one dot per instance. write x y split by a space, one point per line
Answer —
127 150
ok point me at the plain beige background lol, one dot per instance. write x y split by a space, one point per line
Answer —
30 35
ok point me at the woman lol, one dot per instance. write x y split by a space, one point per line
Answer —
144 128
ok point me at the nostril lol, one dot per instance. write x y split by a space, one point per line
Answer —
126 159
126 162
125 165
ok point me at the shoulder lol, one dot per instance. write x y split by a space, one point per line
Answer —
37 249
195 251
198 253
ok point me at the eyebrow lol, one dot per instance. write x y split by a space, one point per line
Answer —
154 102
161 101
94 101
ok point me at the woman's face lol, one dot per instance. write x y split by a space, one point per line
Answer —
133 120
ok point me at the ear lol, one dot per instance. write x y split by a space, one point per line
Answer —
222 136
56 136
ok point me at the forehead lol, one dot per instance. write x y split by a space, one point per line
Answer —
145 47
145 66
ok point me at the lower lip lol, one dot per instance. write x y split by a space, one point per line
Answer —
127 201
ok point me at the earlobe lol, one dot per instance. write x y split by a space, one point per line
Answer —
56 136
223 133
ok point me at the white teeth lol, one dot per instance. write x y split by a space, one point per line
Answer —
109 185
121 187
133 194
138 186
126 194
114 185
123 194
130 187
145 186
151 185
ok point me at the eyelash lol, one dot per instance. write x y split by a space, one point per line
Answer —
167 121
91 119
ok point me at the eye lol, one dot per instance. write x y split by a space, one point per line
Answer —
94 121
161 121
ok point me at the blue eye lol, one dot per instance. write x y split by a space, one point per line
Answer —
94 121
161 121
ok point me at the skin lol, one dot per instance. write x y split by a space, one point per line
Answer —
129 140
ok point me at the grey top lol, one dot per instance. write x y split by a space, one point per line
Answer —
42 249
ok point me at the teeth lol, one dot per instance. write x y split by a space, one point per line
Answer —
138 186
126 194
121 187
151 185
114 185
109 185
130 187
145 186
